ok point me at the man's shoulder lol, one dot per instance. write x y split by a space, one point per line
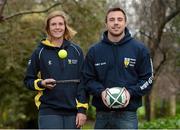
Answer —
138 44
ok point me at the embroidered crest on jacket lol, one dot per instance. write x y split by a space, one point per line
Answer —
129 62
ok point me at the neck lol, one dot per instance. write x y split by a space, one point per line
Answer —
115 38
57 41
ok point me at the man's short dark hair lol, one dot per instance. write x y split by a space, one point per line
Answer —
115 9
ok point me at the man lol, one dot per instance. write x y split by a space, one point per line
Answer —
61 99
118 60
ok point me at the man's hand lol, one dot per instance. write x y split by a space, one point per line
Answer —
80 119
103 96
48 83
127 97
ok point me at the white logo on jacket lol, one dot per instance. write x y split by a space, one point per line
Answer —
72 61
29 62
49 62
99 64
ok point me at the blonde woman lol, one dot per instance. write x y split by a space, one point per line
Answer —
54 72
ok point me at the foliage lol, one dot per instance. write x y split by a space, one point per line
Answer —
164 123
91 113
17 42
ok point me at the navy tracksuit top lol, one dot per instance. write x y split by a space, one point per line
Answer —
123 64
45 63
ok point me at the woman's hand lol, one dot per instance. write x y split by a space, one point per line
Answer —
80 119
48 83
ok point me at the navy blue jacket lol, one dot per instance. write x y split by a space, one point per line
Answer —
65 98
123 64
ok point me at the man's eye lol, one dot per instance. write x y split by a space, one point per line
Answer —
120 19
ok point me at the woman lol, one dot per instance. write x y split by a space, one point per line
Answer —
54 71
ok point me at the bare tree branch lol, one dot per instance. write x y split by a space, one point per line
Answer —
158 40
2 4
160 65
30 12
145 34
167 19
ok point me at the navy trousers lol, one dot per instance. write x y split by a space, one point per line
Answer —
57 122
116 120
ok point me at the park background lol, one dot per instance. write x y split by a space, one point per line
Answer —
155 22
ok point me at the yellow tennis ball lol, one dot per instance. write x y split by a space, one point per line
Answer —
62 53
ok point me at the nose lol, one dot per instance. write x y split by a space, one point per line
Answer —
57 26
115 21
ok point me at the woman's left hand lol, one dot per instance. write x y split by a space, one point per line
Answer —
80 119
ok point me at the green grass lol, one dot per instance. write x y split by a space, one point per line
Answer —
163 123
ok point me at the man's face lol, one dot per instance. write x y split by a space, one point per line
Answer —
115 23
56 27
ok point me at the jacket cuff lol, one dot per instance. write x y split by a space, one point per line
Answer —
130 92
82 110
37 85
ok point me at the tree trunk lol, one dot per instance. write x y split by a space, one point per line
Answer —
149 106
172 105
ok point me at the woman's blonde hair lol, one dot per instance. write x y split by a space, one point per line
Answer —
69 32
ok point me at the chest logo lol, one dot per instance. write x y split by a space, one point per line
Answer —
72 61
129 62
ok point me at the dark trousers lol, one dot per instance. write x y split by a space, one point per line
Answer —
57 122
116 120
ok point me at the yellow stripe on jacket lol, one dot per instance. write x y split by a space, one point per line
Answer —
37 97
84 105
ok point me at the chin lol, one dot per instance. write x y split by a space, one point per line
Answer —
119 33
116 34
58 36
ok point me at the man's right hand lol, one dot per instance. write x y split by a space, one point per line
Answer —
103 96
48 83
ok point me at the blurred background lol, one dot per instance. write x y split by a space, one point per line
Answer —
155 22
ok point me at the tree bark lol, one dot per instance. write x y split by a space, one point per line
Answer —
172 105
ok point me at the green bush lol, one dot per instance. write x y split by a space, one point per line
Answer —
164 123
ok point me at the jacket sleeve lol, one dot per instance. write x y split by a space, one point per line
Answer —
32 78
82 95
145 74
89 75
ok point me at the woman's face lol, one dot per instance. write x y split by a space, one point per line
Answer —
56 27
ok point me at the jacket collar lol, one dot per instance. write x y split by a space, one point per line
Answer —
124 40
47 43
